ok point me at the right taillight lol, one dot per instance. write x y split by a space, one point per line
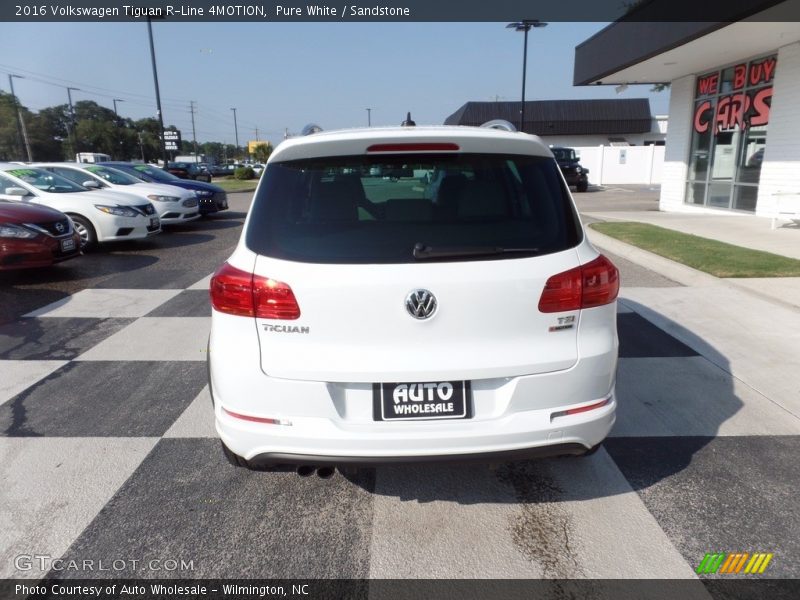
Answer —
237 292
594 284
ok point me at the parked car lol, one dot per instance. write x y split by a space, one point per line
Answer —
212 198
189 171
575 174
359 321
35 236
173 204
97 215
218 170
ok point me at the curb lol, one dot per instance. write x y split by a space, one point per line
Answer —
675 271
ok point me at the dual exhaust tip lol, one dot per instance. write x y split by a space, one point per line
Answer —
322 472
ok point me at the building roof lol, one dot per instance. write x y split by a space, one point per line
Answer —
562 117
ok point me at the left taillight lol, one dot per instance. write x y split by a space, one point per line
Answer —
237 292
594 284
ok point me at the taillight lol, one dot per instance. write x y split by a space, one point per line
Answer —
273 299
236 292
594 284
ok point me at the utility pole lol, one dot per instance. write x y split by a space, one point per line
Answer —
236 132
116 120
22 134
194 137
141 145
71 131
369 117
256 133
164 154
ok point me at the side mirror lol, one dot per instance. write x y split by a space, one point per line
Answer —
16 191
91 184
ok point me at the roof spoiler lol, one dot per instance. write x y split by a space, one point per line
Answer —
501 124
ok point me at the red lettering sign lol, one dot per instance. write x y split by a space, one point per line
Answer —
730 112
701 119
762 72
708 85
739 76
761 106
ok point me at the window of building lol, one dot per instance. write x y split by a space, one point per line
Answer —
729 134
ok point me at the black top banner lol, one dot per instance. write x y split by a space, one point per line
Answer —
399 10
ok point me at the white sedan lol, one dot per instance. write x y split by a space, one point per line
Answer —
98 216
173 204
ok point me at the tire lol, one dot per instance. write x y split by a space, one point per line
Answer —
582 186
85 229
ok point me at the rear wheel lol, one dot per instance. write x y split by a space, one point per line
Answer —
85 230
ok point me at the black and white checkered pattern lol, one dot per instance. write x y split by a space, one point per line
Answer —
108 451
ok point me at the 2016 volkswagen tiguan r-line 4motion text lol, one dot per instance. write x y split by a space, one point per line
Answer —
363 319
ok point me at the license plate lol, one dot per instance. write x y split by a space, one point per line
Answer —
420 401
153 221
67 245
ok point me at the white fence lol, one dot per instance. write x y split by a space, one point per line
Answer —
622 164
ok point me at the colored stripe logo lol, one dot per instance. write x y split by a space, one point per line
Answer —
734 562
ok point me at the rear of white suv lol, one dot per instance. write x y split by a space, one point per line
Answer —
412 294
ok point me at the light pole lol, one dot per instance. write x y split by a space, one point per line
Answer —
525 26
21 134
164 155
236 132
71 131
369 117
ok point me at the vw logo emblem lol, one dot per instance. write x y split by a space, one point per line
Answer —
421 304
60 227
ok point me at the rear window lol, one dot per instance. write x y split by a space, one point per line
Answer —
376 209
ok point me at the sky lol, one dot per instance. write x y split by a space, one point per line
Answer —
286 75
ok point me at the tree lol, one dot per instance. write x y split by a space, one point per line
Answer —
262 151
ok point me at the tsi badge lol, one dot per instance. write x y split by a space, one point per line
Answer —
563 323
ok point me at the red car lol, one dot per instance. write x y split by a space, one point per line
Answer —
35 236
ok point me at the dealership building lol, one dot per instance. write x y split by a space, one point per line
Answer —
733 142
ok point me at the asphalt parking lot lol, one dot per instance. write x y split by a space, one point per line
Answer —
107 449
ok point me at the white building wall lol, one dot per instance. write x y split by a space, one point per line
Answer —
679 137
780 170
622 164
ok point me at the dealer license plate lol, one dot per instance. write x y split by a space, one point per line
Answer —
67 245
420 401
153 221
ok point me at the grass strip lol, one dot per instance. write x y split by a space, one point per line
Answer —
717 258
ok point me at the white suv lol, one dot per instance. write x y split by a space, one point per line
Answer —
367 317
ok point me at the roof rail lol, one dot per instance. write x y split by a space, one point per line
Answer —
501 124
310 129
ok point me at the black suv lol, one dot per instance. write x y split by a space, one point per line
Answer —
573 172
189 171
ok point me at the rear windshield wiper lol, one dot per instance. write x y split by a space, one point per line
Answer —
423 252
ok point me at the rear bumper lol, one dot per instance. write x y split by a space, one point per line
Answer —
371 461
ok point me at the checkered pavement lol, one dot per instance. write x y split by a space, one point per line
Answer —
107 451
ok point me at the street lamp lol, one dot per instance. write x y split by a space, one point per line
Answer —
369 117
525 26
116 114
